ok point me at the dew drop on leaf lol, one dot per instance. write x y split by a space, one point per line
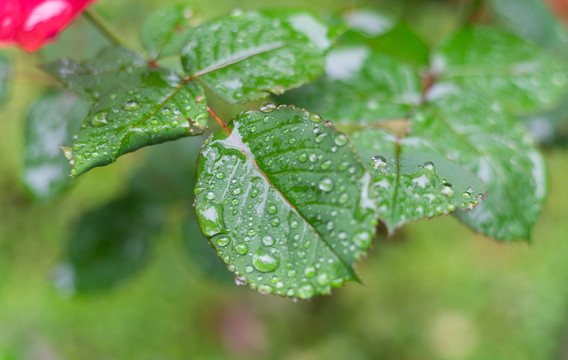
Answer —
326 184
265 262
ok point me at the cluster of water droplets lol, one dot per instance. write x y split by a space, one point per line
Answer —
294 222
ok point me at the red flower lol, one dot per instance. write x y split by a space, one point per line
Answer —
32 23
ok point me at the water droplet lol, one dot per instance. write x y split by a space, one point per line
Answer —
326 184
166 111
223 241
242 248
272 209
268 240
343 198
131 105
326 165
237 191
315 118
240 280
378 161
100 119
265 262
267 107
210 195
362 239
275 222
447 190
428 165
306 291
303 157
340 140
320 137
249 269
310 271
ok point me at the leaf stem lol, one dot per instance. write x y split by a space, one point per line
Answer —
104 28
472 11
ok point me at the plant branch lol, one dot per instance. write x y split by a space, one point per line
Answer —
104 28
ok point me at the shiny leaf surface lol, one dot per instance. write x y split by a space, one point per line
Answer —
148 107
360 87
285 201
109 245
483 138
164 32
413 180
51 121
95 77
498 65
247 56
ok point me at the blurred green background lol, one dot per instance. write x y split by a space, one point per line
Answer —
433 291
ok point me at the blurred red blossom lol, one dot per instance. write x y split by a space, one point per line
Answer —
31 24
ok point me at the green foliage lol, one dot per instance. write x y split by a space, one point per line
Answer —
51 121
289 202
285 201
247 56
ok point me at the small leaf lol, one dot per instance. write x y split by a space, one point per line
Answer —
5 77
533 21
498 65
285 201
148 107
413 180
360 87
51 121
165 31
109 245
248 56
482 138
95 77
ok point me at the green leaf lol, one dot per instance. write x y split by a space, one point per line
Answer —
550 127
285 201
148 107
95 77
483 138
5 76
532 20
165 31
359 87
109 245
51 121
369 22
413 180
248 56
498 65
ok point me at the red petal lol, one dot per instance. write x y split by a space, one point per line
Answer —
32 23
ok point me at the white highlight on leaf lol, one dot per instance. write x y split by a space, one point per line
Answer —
314 30
421 181
342 64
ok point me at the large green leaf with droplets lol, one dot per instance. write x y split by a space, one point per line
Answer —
164 32
480 136
360 86
499 65
247 56
285 202
414 180
148 107
5 75
51 121
95 77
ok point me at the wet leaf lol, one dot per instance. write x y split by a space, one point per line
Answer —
51 121
359 87
370 23
5 76
247 56
165 31
533 21
285 202
109 245
148 107
413 180
501 66
484 139
95 77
